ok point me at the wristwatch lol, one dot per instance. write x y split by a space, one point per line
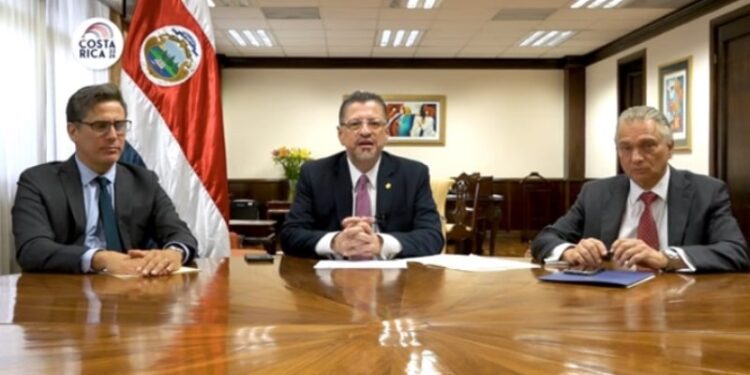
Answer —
674 261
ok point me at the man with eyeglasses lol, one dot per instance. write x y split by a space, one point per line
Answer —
363 203
653 217
91 213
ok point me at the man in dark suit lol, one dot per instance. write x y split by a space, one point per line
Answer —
363 203
91 213
653 217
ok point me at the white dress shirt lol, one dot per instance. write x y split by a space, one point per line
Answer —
391 246
629 226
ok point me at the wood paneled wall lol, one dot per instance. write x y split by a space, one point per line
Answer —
563 194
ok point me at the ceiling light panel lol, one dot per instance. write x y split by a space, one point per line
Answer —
414 4
258 38
546 38
398 38
595 4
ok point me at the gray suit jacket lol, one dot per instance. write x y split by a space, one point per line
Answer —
405 208
699 218
49 219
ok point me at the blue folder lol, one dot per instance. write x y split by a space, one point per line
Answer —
624 279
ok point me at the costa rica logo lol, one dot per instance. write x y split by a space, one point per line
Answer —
97 43
170 55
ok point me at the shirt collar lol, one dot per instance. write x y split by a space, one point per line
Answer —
372 174
87 175
661 188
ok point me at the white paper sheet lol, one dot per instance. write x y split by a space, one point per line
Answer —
473 263
361 264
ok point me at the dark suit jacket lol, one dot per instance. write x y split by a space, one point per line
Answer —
699 218
49 219
405 208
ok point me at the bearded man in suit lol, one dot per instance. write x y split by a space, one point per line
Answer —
363 203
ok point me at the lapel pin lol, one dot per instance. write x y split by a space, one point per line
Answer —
387 186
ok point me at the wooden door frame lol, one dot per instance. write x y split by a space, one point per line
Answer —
717 124
638 55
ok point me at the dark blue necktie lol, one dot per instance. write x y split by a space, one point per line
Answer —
107 216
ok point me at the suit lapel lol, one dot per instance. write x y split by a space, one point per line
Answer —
342 188
679 196
613 209
384 189
123 187
71 182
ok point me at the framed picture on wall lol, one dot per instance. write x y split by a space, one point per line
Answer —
675 86
415 120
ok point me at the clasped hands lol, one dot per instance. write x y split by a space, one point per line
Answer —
357 238
157 262
626 252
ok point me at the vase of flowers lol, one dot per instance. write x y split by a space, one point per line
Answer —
291 159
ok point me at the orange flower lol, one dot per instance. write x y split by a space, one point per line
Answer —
291 159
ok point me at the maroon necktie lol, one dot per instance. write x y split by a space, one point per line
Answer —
362 205
646 225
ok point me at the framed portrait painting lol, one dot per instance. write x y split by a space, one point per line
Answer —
675 86
415 120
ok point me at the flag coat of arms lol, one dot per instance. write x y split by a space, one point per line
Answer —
171 84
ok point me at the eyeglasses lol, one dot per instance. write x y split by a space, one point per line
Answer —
356 125
102 127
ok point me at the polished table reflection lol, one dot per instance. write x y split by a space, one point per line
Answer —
288 318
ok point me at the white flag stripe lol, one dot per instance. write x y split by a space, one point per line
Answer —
162 153
202 14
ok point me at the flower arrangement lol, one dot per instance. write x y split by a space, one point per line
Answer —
291 159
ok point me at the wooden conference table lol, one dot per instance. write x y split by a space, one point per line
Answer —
235 318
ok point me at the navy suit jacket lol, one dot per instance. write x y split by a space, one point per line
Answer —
405 208
699 219
49 221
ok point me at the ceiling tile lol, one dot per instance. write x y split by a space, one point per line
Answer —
349 24
236 12
349 52
296 42
343 34
353 42
299 33
478 53
437 51
535 3
393 52
456 28
306 52
296 24
349 13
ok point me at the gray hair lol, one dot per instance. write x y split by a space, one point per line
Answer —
646 113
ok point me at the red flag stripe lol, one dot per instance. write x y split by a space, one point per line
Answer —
192 109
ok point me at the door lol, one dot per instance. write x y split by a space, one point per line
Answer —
631 85
730 48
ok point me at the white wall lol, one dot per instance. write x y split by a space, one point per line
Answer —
691 39
500 122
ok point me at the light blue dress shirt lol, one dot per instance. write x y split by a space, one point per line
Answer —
95 239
